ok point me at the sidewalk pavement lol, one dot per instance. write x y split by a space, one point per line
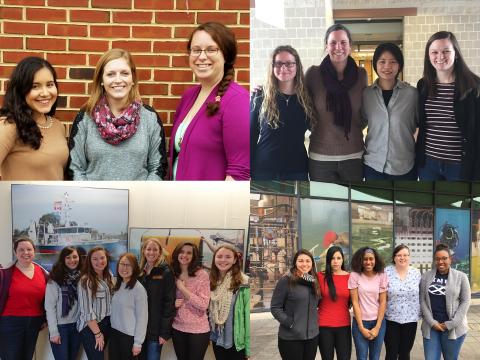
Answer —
264 329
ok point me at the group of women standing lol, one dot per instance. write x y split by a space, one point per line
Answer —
313 309
117 137
146 306
430 132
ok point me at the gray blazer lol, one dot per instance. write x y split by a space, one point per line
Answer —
457 294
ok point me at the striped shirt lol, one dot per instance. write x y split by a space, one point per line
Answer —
93 308
443 136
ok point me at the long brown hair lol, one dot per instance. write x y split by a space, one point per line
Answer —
97 88
465 79
294 278
193 267
132 259
269 109
225 39
89 276
236 270
60 269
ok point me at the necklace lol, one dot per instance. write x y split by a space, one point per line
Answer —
181 131
48 123
286 98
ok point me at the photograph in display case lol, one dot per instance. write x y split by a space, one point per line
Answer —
57 216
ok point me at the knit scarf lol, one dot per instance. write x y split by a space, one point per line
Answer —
113 129
69 290
337 99
220 302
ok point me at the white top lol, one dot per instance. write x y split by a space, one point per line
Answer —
403 296
93 308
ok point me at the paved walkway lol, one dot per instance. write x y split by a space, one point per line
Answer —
264 330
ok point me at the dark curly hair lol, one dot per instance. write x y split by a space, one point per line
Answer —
15 107
193 267
225 39
59 269
357 260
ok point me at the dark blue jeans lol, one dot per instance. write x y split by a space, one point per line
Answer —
372 174
69 342
435 169
88 340
18 336
151 350
265 175
368 349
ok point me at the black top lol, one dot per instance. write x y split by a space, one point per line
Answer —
387 95
160 286
436 292
279 151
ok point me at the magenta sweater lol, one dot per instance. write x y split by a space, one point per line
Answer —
214 146
192 316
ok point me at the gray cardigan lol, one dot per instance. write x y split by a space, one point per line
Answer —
457 294
295 308
53 308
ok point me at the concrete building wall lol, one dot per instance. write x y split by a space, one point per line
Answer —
305 25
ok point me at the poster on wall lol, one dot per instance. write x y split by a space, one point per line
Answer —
372 225
475 257
58 216
452 227
324 223
414 228
207 240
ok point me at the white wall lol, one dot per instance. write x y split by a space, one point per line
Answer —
159 204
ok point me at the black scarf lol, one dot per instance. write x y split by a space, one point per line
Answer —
337 99
69 290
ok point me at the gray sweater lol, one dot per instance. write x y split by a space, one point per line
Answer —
130 312
53 308
137 158
295 308
457 296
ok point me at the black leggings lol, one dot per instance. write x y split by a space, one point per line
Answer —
121 346
298 349
399 339
338 339
190 346
227 354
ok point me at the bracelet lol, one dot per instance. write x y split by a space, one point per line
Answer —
99 332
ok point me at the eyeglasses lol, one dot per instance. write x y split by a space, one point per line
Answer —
125 265
210 51
280 64
444 258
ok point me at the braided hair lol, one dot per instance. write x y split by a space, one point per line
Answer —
225 39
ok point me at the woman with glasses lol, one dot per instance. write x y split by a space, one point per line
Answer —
448 144
445 299
129 311
368 290
403 305
280 114
336 142
210 135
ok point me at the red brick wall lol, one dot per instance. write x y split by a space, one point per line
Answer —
73 34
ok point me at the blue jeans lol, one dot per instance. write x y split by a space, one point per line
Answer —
372 174
69 342
18 336
368 349
439 343
435 169
88 340
151 350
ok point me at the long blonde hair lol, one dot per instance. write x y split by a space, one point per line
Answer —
97 88
161 258
269 109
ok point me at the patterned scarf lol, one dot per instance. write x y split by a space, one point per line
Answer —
220 302
113 129
338 100
69 290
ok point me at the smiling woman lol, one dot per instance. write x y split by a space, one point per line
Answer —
115 136
32 142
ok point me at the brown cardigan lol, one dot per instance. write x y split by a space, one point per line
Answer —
326 137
